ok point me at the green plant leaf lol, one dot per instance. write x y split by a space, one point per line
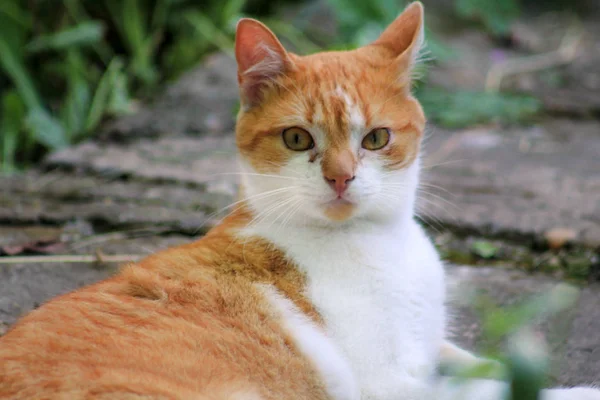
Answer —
160 15
77 102
134 23
466 108
484 249
295 36
83 34
206 28
48 130
500 322
14 67
359 21
185 52
12 11
496 16
231 10
13 111
527 365
100 101
130 18
119 100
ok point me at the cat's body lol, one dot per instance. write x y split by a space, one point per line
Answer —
319 285
188 323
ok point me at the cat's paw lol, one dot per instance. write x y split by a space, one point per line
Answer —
572 394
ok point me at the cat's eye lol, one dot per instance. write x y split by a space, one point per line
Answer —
376 139
298 139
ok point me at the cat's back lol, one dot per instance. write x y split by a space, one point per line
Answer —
194 332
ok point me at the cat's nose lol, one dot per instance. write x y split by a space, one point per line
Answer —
339 183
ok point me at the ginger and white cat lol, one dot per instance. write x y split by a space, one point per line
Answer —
320 285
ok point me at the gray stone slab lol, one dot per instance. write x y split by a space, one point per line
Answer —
61 197
564 88
24 287
518 182
582 356
203 100
205 160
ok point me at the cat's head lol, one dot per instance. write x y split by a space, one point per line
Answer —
330 137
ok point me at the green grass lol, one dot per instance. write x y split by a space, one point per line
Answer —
458 109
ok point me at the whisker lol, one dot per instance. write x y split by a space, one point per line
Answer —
291 210
430 224
258 196
440 188
428 167
434 222
423 191
267 212
258 174
429 202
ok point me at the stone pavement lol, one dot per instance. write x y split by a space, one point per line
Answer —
160 177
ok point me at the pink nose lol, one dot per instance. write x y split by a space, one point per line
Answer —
339 183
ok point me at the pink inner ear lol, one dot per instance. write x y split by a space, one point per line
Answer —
260 58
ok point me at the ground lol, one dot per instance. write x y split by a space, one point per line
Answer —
523 199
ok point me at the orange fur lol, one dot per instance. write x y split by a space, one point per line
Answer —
370 78
182 322
190 322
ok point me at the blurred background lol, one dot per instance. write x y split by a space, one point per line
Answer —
67 66
116 121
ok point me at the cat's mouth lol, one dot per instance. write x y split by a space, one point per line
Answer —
339 209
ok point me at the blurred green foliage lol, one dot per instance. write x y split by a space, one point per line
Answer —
510 338
496 16
456 109
484 249
65 65
360 22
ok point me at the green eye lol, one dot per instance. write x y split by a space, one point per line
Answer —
376 139
298 139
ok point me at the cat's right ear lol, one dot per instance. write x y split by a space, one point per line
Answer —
404 38
260 58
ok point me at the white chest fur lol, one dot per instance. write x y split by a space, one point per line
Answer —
380 293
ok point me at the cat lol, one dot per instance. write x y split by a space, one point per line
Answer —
318 285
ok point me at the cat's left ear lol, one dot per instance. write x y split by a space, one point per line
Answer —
261 58
405 37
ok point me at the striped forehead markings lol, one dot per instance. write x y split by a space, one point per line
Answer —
337 112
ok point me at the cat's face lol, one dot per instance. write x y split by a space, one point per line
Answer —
333 136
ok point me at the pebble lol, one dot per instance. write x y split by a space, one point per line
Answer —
558 237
